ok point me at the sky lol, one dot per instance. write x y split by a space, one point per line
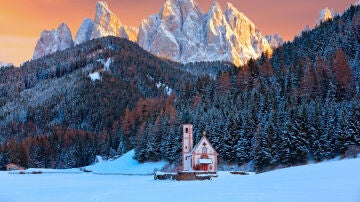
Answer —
22 21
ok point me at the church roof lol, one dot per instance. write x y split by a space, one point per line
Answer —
198 144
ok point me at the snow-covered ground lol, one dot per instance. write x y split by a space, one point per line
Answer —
167 89
95 76
126 165
330 181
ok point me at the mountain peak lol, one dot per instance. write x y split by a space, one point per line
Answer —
63 30
229 6
215 6
179 8
275 40
181 32
105 23
53 41
85 31
231 10
179 2
103 13
215 11
169 8
325 15
102 5
63 26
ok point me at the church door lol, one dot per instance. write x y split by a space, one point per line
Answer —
204 167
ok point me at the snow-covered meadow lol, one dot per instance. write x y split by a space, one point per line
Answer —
330 181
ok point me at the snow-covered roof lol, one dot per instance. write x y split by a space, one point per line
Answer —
205 161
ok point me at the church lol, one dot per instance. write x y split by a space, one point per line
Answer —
201 157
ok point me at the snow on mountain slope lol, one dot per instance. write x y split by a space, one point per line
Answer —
126 164
330 182
5 64
325 15
53 41
181 32
275 40
105 23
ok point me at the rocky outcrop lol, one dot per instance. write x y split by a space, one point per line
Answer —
275 40
181 32
325 15
85 31
105 23
53 41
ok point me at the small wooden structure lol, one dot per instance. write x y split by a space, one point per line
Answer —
185 176
12 167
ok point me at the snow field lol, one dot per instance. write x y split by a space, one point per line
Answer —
126 165
331 181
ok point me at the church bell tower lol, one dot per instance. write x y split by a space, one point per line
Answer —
187 146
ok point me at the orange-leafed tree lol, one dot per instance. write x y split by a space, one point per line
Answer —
266 69
309 83
343 73
170 106
129 122
224 82
243 77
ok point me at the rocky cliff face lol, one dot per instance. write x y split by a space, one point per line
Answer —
181 32
105 23
53 41
275 40
85 31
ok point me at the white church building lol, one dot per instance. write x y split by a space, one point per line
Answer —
202 157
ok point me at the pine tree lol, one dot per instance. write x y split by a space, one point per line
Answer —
231 139
262 153
354 124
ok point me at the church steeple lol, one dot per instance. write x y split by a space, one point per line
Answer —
187 145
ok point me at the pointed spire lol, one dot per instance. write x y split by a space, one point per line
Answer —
215 5
215 10
102 4
102 10
231 7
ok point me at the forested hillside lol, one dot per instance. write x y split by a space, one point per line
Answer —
51 109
